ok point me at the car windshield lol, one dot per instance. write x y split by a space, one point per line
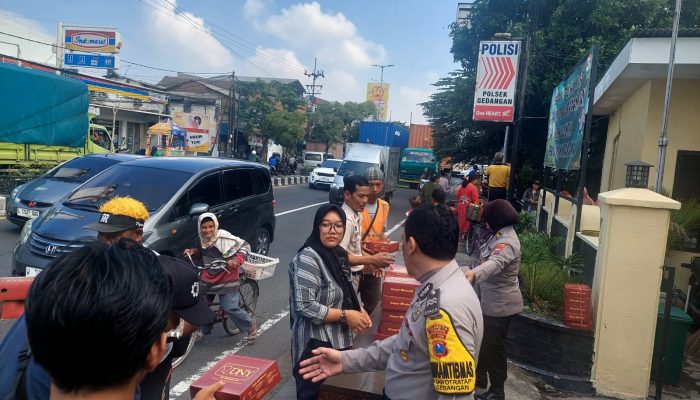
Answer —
81 169
133 181
418 156
313 157
331 164
348 168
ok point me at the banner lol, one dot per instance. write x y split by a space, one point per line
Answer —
198 128
379 96
567 118
496 81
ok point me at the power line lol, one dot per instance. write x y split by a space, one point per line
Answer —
314 75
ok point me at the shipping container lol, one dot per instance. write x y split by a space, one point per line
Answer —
383 134
421 136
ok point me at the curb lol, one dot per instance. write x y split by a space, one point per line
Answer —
3 201
289 180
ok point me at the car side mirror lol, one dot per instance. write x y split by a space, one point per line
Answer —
335 169
199 208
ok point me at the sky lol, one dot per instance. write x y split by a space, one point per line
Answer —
263 38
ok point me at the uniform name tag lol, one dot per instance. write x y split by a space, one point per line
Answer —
432 303
425 291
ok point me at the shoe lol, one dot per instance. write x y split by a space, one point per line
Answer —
490 396
252 332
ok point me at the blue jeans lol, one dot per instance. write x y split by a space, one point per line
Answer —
229 303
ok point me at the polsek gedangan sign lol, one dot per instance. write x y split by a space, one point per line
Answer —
496 80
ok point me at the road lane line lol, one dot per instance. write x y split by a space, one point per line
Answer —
184 385
300 208
395 227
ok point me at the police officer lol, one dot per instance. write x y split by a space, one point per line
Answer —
434 355
496 279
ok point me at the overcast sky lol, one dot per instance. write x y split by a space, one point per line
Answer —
262 38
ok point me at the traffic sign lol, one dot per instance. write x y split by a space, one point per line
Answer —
496 77
89 60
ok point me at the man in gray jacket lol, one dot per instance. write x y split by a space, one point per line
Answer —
435 353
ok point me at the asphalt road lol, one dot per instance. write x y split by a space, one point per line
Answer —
296 206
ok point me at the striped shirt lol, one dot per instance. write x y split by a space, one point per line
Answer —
312 292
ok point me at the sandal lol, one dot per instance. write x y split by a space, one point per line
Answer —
252 332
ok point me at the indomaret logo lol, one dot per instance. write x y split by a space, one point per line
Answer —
90 40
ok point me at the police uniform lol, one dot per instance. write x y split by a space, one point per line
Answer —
496 279
434 354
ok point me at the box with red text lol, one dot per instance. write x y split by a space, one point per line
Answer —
400 286
245 378
395 303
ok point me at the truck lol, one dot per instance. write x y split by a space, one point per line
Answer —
45 118
361 156
415 161
388 134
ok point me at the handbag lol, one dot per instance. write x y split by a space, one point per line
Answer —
475 211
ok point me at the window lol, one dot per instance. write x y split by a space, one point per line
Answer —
261 182
313 157
80 169
207 190
685 187
238 183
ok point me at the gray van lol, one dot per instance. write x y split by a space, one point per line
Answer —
175 191
359 157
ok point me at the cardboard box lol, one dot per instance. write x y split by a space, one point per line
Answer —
397 270
246 378
401 304
381 336
389 328
400 286
382 247
393 317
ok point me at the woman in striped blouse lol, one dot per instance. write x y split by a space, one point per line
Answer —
324 309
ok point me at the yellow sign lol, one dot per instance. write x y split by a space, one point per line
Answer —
379 95
199 129
453 367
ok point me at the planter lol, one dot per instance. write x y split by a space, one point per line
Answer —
560 356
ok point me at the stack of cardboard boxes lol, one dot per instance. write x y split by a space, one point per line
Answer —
397 293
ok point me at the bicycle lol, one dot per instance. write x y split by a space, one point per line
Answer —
473 237
256 267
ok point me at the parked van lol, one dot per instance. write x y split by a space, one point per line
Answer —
313 159
238 192
361 156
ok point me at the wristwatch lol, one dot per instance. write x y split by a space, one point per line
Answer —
343 318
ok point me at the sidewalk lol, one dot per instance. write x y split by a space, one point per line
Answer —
288 180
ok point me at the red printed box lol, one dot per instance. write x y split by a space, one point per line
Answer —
245 378
397 270
394 317
382 247
389 328
400 286
396 303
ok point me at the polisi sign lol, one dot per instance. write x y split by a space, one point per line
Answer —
496 81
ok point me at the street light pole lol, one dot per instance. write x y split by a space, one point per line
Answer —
381 84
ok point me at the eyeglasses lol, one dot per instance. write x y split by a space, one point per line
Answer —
327 226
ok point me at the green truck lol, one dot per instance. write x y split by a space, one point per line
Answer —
415 162
45 118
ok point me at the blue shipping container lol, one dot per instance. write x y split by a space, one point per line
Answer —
384 134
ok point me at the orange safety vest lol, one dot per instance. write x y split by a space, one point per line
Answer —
376 234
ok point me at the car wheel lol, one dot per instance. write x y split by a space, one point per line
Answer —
262 242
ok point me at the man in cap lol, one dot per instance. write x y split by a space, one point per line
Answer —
373 222
498 174
124 217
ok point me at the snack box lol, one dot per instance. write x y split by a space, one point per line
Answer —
246 378
388 328
382 247
396 270
400 286
401 304
393 317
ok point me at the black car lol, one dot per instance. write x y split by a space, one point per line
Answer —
175 190
33 198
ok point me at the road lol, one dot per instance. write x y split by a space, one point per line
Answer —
296 206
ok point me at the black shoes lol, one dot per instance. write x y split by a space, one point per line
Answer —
490 396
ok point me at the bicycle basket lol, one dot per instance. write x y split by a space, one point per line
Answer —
258 266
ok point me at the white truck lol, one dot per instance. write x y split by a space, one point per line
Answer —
361 156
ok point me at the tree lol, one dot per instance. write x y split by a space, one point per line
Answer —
562 31
335 122
286 128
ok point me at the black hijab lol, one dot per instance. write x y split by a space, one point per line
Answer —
335 259
499 214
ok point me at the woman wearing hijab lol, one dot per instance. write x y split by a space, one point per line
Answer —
466 194
324 309
217 244
496 279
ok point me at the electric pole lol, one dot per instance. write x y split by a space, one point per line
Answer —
231 146
380 111
312 88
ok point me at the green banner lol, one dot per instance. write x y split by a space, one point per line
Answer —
567 118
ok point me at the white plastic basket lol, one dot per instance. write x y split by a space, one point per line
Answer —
258 266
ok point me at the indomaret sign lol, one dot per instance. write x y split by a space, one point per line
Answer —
496 79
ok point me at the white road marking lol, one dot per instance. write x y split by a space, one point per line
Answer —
300 208
184 385
395 227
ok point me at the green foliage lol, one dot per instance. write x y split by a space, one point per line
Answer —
525 222
335 122
685 220
544 274
562 31
28 169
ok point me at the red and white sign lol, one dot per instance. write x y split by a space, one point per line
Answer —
496 80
